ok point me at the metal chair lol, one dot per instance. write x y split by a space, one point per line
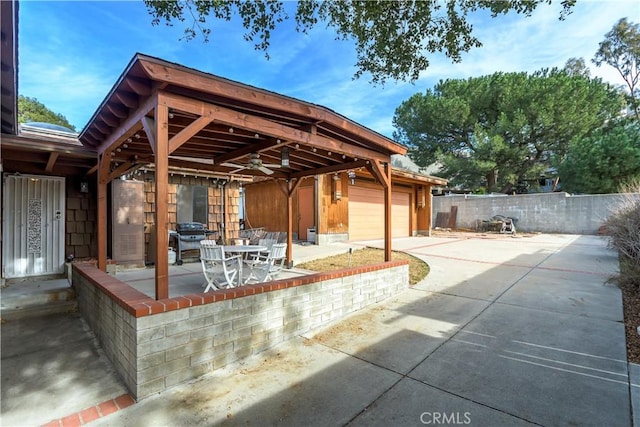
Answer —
219 270
265 270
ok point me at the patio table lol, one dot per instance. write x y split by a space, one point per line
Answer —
243 250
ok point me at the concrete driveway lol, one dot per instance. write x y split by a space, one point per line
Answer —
503 331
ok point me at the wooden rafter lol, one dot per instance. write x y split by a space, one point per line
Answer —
150 130
208 83
266 127
52 161
329 169
185 134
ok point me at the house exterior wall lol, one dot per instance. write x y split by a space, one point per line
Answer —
81 211
265 206
157 344
81 220
230 211
544 212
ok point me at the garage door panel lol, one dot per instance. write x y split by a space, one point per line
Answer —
366 213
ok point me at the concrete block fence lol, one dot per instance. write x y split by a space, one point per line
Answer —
154 345
544 212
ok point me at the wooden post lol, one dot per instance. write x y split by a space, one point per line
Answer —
387 212
429 208
103 171
162 199
289 227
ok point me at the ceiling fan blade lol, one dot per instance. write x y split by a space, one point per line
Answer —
237 170
233 165
266 171
272 165
193 159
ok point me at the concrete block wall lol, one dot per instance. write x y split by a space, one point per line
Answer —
113 326
157 344
545 213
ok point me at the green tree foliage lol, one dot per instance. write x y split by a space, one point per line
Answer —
577 67
496 131
393 38
621 50
600 163
31 110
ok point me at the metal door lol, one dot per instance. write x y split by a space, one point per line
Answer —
33 226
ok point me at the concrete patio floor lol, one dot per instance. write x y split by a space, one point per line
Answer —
503 331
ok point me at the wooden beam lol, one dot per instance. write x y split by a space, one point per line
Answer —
280 103
252 148
139 86
52 161
162 200
128 99
122 169
92 170
118 111
387 212
100 126
429 209
329 169
295 186
187 133
267 127
379 173
110 119
104 165
129 126
150 130
289 260
102 221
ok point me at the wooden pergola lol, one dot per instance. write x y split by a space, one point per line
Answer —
166 114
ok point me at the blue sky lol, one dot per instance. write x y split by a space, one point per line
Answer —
71 54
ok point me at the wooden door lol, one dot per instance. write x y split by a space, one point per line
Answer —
306 209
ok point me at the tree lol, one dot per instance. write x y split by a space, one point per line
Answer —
577 67
393 38
600 163
497 131
31 110
621 50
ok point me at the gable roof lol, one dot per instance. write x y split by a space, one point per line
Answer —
216 121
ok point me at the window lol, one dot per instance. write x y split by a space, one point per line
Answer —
193 204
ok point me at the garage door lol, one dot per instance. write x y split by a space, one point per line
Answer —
366 214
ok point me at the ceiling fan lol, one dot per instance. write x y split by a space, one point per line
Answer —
254 163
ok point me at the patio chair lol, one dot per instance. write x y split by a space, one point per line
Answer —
219 270
262 256
265 270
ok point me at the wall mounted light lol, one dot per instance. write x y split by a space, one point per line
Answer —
352 176
84 186
284 157
421 197
337 188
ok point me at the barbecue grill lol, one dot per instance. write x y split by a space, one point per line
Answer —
188 236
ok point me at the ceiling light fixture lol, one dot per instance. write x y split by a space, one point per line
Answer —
284 157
